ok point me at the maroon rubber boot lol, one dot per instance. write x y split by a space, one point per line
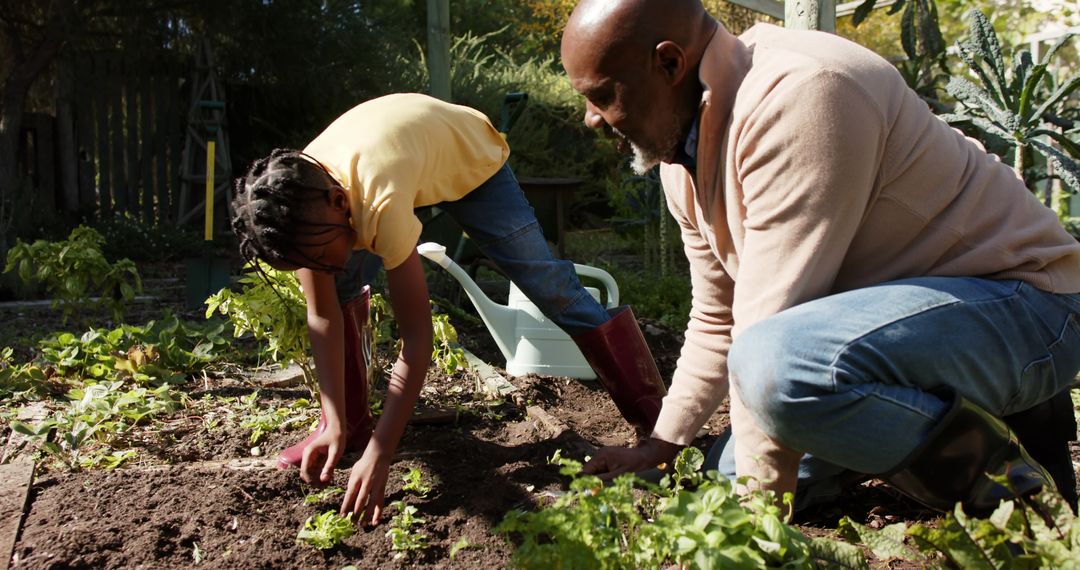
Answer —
358 419
623 363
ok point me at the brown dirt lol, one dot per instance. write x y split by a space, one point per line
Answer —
152 514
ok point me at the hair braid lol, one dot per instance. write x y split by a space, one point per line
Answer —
269 204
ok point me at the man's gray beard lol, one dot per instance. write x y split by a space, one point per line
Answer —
645 159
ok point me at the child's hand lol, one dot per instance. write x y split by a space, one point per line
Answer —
321 455
367 487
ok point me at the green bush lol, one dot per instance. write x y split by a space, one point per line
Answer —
130 237
73 269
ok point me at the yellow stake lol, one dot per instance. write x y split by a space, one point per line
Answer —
209 234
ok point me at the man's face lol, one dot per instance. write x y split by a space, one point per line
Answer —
631 104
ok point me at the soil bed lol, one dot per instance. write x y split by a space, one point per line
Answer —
180 503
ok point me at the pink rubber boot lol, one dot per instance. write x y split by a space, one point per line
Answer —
359 422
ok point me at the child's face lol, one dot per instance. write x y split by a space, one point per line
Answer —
332 249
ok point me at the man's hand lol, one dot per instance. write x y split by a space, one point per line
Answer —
610 462
367 487
321 456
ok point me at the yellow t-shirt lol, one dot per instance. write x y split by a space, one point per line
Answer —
401 152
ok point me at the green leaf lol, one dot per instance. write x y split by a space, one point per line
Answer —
1064 167
1063 91
862 11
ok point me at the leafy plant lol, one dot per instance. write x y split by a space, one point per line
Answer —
326 530
262 421
164 350
323 495
1021 112
1038 532
272 309
71 269
18 380
923 44
447 355
403 536
414 482
99 413
608 526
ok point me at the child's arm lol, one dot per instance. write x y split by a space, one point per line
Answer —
326 330
412 311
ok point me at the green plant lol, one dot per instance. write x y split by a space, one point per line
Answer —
262 421
609 526
271 307
1037 532
164 350
97 414
18 381
447 354
326 530
1021 112
403 536
414 482
128 236
70 270
323 495
922 42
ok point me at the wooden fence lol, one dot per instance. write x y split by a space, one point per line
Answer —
120 121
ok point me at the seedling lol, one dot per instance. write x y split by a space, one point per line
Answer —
458 546
263 421
326 530
403 537
415 483
322 496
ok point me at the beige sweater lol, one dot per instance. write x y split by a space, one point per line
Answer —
829 174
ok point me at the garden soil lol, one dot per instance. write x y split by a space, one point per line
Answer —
199 498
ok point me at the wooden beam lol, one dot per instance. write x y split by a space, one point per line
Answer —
439 48
774 8
848 8
15 480
810 15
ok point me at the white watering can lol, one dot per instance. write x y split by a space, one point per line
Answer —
530 342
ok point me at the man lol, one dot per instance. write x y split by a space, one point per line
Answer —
877 289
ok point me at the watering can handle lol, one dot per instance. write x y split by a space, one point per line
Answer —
605 278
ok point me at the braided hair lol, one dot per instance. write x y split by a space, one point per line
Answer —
270 207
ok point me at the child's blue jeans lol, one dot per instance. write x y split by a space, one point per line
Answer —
848 378
499 219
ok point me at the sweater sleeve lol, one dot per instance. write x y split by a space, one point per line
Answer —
807 159
699 384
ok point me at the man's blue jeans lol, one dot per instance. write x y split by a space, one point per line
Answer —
499 219
849 379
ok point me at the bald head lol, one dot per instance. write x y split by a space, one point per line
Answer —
636 63
615 32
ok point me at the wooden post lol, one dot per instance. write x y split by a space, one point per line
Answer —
65 135
810 15
439 48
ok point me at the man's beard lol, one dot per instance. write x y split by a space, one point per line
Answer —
647 157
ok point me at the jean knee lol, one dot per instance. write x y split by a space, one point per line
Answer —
771 368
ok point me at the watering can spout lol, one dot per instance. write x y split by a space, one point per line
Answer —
499 319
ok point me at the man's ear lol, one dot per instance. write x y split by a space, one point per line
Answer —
671 59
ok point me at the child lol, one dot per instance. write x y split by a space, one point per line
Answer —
353 190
